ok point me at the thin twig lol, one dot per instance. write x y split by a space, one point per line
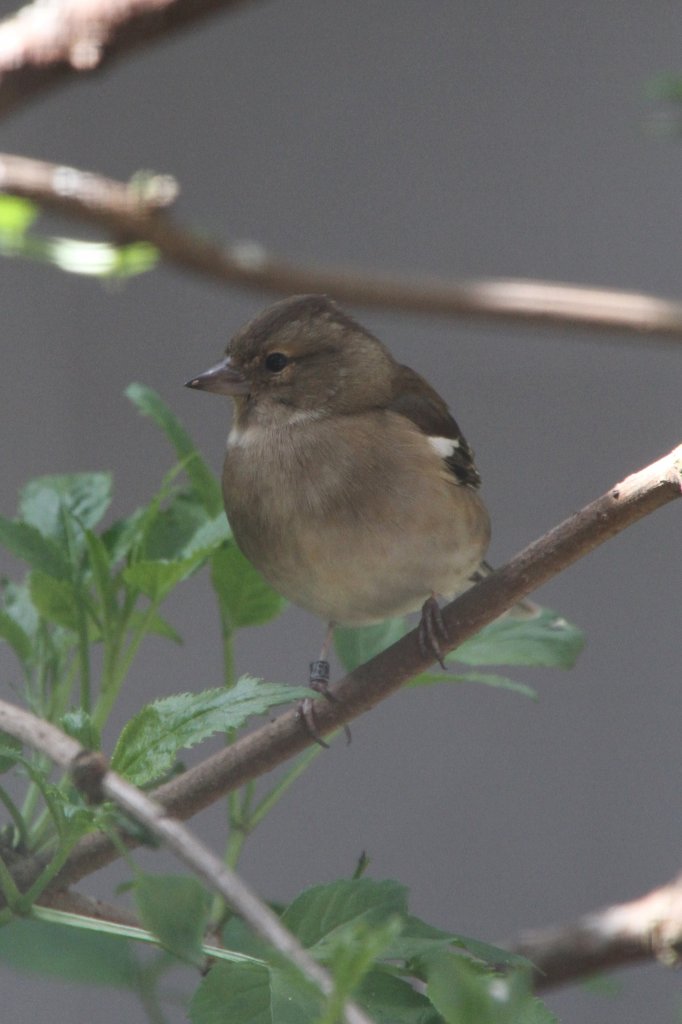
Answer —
51 42
626 933
272 744
92 776
127 213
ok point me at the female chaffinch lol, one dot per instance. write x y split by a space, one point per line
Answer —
347 482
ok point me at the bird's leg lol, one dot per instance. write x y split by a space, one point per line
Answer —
319 681
432 630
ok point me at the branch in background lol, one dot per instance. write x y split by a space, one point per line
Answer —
614 937
272 744
91 775
131 213
51 42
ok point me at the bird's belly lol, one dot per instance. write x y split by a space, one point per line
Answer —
349 557
364 575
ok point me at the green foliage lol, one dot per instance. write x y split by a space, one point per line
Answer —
151 741
362 931
91 595
543 639
92 259
176 910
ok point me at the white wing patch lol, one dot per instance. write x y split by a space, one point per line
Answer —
444 446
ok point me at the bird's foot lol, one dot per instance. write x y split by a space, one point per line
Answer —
318 681
432 630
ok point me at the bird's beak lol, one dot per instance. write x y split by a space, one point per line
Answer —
223 379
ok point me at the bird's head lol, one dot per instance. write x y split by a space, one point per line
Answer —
305 354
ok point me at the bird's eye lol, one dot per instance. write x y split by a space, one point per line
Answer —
276 361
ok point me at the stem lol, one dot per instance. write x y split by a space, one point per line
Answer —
16 816
9 887
285 783
111 687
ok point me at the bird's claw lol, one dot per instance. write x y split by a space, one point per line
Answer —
318 681
431 630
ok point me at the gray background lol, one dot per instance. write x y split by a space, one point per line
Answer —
458 139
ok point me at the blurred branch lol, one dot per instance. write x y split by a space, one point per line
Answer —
50 42
627 933
92 777
272 744
132 212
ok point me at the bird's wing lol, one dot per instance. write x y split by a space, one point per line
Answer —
415 399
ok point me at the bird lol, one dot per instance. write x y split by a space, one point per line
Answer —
347 482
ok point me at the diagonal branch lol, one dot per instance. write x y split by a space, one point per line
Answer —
626 933
272 744
92 777
126 212
51 42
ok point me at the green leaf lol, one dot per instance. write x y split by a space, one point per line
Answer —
149 403
100 566
16 216
79 725
157 579
56 600
84 497
16 637
251 994
546 640
27 543
174 527
124 534
318 912
356 645
176 910
10 751
484 678
390 1000
135 258
19 607
351 953
210 535
83 957
155 624
150 742
465 993
245 598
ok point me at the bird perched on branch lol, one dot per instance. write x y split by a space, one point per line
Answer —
347 482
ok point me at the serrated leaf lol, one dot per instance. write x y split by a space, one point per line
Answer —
545 640
318 912
245 598
149 403
56 600
43 948
27 542
483 678
150 742
176 910
84 497
156 579
356 645
251 994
